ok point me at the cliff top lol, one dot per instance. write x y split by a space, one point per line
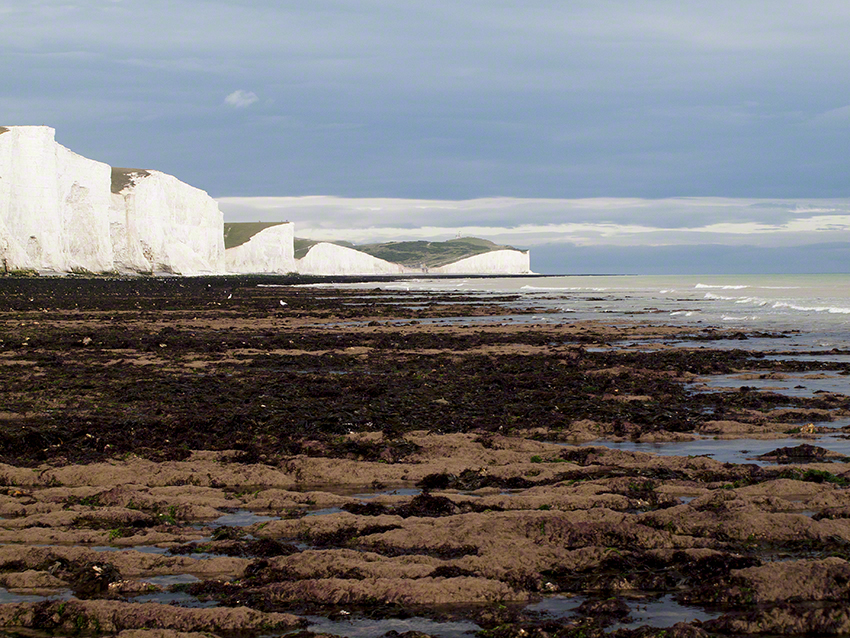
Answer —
3 129
124 177
237 233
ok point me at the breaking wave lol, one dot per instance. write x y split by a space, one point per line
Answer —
756 301
737 287
833 310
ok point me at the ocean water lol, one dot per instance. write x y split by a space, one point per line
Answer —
813 309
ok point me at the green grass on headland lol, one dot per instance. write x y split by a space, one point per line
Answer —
303 246
416 254
236 234
431 254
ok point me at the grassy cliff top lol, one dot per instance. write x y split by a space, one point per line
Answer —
3 129
430 254
123 177
237 233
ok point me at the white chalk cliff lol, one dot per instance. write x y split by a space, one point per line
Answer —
62 212
53 204
515 262
58 213
271 250
329 259
160 224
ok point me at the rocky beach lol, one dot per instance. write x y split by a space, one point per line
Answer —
253 456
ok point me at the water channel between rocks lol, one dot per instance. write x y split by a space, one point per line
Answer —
728 450
660 612
804 384
369 628
9 597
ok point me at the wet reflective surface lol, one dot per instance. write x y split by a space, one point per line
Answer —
729 451
661 612
805 384
368 628
9 597
242 518
178 598
144 549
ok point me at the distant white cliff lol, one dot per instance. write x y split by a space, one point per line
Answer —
59 212
496 261
329 259
271 250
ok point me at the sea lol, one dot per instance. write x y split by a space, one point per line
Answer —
812 311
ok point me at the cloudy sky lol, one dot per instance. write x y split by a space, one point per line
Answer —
634 135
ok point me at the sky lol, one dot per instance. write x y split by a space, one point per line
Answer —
604 135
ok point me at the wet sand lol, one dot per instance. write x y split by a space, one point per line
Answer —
213 455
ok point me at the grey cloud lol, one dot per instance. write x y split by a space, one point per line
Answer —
672 213
449 99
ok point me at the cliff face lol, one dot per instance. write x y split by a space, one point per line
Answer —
158 223
53 204
330 259
515 262
58 212
270 250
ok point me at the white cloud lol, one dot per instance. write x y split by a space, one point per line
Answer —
530 222
240 99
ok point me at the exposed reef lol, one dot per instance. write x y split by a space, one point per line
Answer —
190 455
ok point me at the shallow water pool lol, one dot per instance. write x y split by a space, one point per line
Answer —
368 628
8 597
242 518
790 384
661 612
728 450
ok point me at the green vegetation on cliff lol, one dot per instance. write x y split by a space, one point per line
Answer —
416 254
123 177
236 234
431 254
303 246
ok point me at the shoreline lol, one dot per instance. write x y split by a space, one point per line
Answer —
137 417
